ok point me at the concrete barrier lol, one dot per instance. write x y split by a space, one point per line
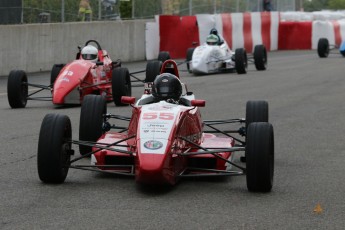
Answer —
36 47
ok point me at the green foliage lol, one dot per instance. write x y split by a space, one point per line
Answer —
147 8
212 6
315 5
150 8
336 4
126 9
32 9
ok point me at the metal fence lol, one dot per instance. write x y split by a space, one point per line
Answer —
42 11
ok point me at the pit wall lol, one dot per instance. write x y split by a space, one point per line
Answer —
36 47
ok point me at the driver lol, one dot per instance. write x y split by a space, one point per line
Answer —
214 31
212 40
167 87
90 53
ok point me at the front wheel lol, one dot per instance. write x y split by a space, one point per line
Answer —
55 72
323 47
256 111
260 157
260 57
17 89
91 120
121 85
241 61
189 57
153 68
54 148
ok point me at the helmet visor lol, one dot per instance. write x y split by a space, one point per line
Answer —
164 91
212 43
89 56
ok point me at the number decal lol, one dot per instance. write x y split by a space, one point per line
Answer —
162 116
166 116
149 116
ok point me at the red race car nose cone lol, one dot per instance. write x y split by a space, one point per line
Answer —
151 169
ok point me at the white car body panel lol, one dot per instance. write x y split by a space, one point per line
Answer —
211 59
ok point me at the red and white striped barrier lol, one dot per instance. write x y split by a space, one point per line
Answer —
305 35
242 29
334 31
176 34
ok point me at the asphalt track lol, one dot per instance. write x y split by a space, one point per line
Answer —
306 101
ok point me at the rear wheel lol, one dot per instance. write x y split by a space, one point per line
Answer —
323 48
260 57
153 68
241 61
256 111
189 57
54 148
260 157
121 85
91 120
17 89
55 72
163 56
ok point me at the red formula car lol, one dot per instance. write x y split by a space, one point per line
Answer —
93 72
165 140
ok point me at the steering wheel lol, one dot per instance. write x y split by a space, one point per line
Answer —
94 41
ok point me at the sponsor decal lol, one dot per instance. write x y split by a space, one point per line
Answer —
158 131
156 125
160 107
65 79
153 144
67 73
148 87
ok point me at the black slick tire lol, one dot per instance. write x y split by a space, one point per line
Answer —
163 56
256 111
153 68
54 148
260 57
91 120
260 157
17 89
241 61
189 57
121 85
323 47
55 72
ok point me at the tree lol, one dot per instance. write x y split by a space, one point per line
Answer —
315 5
126 9
32 9
336 4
